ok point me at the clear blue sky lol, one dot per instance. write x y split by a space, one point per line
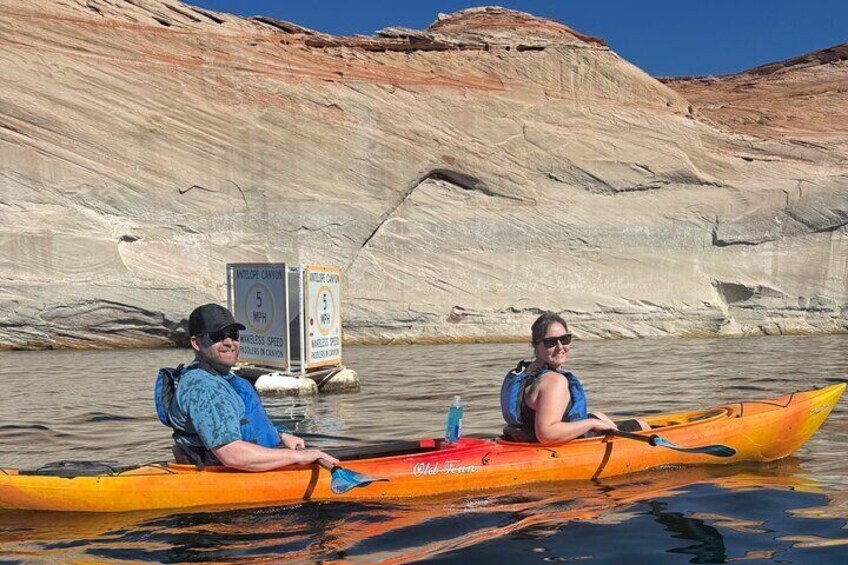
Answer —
663 37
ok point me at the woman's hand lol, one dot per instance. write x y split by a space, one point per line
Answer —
602 426
603 417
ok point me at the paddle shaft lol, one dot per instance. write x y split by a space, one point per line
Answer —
656 441
308 435
327 465
649 439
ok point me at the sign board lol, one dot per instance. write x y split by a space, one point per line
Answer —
323 314
258 298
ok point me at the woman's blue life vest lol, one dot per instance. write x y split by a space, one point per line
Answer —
254 427
513 389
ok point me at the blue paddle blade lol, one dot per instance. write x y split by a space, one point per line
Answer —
714 450
344 479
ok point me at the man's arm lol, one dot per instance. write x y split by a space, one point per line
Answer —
248 456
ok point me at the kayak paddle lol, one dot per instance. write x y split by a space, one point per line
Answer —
283 429
311 435
656 441
344 479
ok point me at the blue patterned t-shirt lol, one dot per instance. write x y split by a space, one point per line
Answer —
208 406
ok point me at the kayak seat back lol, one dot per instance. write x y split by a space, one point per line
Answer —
517 434
185 455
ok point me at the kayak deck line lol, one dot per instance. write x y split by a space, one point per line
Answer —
760 430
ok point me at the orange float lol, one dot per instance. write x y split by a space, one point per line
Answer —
763 430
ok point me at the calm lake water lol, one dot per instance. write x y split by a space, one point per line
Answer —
98 406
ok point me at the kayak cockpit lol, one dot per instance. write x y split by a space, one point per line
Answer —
71 469
381 450
664 421
405 449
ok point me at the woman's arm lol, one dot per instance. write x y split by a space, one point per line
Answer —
550 401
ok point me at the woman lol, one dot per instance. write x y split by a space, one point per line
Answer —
542 402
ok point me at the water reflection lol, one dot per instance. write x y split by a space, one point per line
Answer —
715 514
710 506
710 543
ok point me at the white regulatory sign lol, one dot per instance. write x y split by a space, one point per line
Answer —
323 306
259 294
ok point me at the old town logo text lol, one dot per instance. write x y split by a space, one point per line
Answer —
446 468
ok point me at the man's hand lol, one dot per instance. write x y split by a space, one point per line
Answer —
291 441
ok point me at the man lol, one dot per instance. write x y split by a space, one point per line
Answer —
216 416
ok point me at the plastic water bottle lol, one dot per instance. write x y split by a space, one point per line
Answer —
453 427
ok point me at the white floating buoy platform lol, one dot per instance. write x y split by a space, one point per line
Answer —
286 385
271 381
341 379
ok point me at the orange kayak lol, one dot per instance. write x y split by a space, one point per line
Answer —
762 430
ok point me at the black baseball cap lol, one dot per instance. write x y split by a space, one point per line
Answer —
210 318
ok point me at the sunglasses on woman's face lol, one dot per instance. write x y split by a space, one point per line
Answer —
221 335
550 342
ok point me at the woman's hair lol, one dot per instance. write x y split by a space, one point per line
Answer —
542 323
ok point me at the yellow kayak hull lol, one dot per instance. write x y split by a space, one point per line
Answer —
763 430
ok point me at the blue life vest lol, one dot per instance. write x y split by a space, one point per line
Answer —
514 385
254 427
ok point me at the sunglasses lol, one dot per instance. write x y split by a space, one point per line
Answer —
550 342
221 335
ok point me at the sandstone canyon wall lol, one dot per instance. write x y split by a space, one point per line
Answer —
465 177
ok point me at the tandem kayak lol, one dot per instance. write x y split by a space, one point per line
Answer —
760 430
